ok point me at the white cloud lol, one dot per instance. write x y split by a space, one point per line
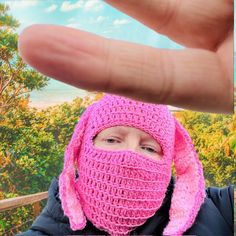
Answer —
100 19
121 22
21 3
51 8
93 5
68 6
73 25
87 5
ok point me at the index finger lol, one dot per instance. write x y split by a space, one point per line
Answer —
183 78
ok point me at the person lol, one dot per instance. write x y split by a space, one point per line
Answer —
199 77
117 178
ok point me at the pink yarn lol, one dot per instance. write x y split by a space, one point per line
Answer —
119 190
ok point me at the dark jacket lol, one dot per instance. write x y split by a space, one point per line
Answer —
214 218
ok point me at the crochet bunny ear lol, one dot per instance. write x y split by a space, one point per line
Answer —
189 190
69 199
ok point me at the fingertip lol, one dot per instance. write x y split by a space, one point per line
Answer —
29 41
25 41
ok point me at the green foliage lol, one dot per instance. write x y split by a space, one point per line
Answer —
214 137
17 220
5 19
33 144
235 96
17 80
32 150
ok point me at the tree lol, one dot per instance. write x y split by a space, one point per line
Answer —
34 147
214 138
17 80
234 98
32 151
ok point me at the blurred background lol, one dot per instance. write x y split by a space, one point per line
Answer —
38 114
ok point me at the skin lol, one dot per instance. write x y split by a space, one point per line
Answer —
119 138
199 77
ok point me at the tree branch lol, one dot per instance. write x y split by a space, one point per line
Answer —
11 78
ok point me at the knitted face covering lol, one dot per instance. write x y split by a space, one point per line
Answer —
119 190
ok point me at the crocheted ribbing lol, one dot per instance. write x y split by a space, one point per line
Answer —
119 190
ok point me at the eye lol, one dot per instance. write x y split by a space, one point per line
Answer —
149 149
112 140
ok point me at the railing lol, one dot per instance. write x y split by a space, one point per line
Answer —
13 203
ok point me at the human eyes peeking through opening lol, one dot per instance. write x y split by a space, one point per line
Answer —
116 141
128 138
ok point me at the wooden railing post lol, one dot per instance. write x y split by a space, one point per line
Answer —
36 209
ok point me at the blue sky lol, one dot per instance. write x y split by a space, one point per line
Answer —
91 15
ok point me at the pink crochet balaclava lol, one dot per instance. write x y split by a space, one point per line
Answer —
119 190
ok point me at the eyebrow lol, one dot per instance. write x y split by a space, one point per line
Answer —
152 142
149 138
120 130
145 136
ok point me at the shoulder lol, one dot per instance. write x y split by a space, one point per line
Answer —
51 220
215 216
221 196
223 199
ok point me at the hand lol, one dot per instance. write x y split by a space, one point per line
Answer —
199 77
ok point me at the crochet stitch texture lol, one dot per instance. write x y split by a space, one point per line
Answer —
119 190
